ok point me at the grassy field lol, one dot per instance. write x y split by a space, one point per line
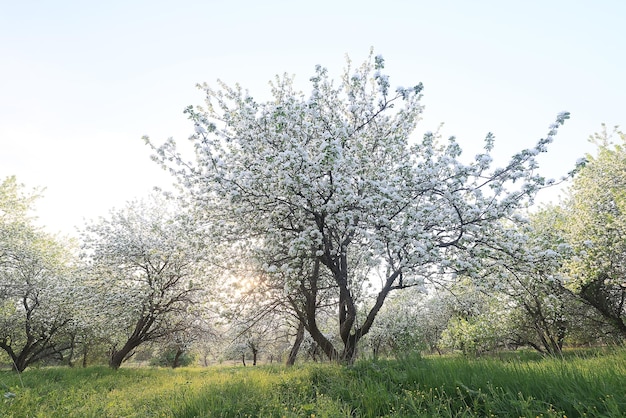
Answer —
591 384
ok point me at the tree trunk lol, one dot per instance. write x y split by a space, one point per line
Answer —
350 334
348 355
375 350
310 315
20 361
611 306
139 335
243 359
254 355
85 350
176 361
291 360
118 357
7 348
19 366
70 363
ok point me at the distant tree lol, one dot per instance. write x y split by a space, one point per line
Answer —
436 312
258 323
38 283
399 326
260 299
480 321
147 271
322 189
525 284
176 349
530 283
173 356
596 229
208 346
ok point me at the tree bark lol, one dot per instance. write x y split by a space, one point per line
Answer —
70 356
611 306
85 350
291 360
176 361
348 354
118 357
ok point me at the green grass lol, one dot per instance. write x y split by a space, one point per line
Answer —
513 385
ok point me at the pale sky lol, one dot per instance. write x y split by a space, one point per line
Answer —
82 81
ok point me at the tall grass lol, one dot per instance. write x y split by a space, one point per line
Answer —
515 385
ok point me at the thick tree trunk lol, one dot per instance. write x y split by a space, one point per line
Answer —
309 316
291 360
348 355
118 357
7 348
347 309
19 365
139 335
322 342
19 360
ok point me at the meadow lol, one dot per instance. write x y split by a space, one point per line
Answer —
521 384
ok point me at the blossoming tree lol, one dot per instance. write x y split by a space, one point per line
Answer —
147 271
595 228
321 190
38 283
